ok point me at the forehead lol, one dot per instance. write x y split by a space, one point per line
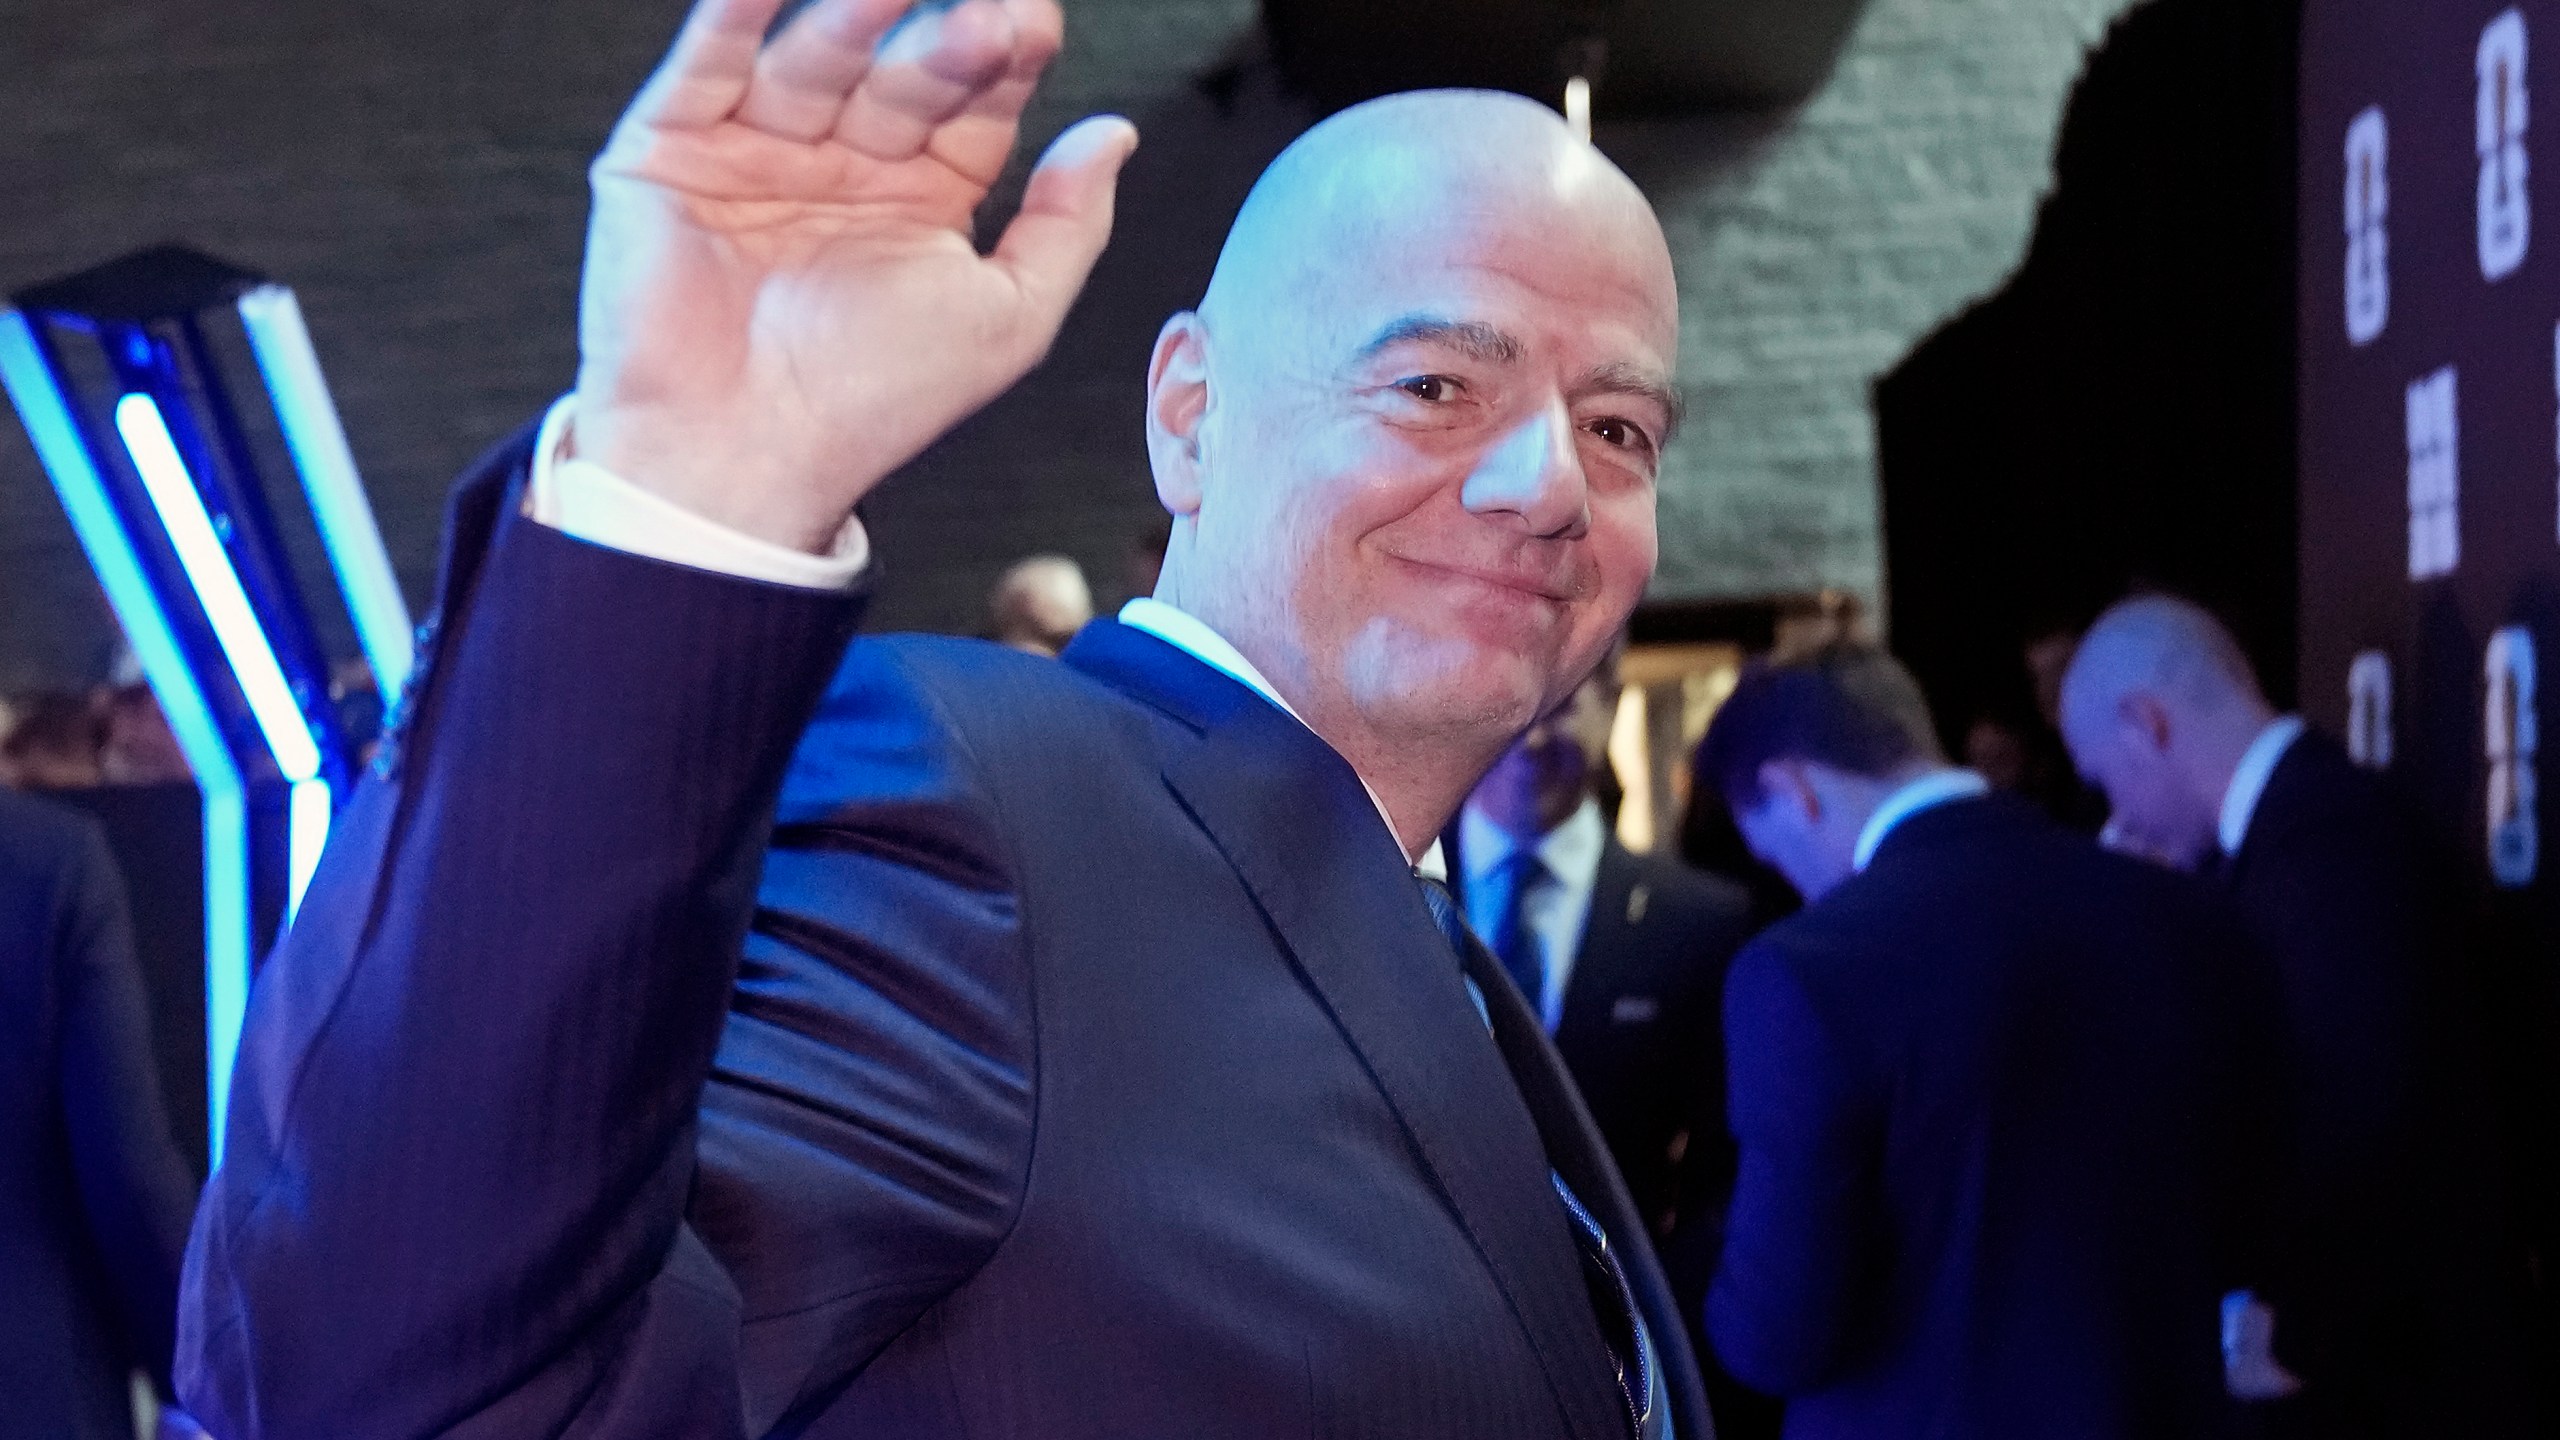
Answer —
1546 274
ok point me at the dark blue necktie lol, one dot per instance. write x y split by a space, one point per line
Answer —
1613 1301
1513 942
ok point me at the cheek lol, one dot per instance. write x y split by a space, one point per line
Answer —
1624 545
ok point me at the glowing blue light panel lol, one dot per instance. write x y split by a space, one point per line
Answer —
46 412
282 345
306 833
127 376
226 605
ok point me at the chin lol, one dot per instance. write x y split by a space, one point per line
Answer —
1445 682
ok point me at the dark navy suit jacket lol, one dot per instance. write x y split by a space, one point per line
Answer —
1999 1128
1083 1060
93 1193
2398 1302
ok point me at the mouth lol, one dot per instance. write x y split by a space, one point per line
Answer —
1509 584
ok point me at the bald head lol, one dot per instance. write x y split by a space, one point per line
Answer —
1428 170
2157 708
1409 438
2167 648
1039 603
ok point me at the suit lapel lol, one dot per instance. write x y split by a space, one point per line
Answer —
1600 963
1572 1142
1302 834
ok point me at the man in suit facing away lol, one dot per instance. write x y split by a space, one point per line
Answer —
1623 956
2395 1302
699 1028
94 1196
1991 1088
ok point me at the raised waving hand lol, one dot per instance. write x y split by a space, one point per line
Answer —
783 301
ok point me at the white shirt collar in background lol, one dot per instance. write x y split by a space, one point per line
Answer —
1929 791
1185 632
2249 782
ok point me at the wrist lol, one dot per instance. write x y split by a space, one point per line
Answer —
762 491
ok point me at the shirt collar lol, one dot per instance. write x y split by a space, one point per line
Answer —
1928 792
1185 632
2249 781
1571 849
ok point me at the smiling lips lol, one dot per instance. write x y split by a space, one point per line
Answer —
1556 585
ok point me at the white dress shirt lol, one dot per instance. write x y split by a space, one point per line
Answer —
581 498
1928 792
1555 913
2249 782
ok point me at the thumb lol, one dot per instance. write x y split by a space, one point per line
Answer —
1066 214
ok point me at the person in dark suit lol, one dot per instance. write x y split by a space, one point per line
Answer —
1623 956
1041 1048
2397 1307
1992 1087
94 1197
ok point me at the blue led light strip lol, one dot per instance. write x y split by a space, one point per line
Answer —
47 415
282 345
235 624
306 834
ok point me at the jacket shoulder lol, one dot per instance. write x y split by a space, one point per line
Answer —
44 838
906 710
1697 898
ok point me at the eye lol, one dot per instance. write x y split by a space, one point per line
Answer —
1619 434
1430 389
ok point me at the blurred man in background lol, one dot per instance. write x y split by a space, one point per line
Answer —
1039 604
94 1197
1623 957
55 741
2395 1305
1991 1088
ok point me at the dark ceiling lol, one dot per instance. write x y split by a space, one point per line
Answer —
1655 57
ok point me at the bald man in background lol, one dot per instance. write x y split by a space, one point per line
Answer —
1039 603
1091 1059
2396 1304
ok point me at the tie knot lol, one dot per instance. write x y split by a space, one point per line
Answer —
1444 912
1525 867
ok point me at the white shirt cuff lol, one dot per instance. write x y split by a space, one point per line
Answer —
581 498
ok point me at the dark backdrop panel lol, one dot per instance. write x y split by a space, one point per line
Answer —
2121 412
2421 66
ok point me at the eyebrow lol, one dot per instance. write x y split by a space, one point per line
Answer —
1621 378
1478 341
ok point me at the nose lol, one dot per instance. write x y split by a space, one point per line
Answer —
1534 472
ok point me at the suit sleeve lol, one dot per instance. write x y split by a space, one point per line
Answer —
133 1183
867 1130
463 1121
1805 1199
2356 1008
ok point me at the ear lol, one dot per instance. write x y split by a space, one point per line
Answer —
2146 720
1177 403
1786 782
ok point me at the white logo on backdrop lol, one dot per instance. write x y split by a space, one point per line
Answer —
2368 237
2435 490
2506 218
2513 740
2369 710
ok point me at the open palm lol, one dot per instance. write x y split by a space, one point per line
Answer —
782 300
